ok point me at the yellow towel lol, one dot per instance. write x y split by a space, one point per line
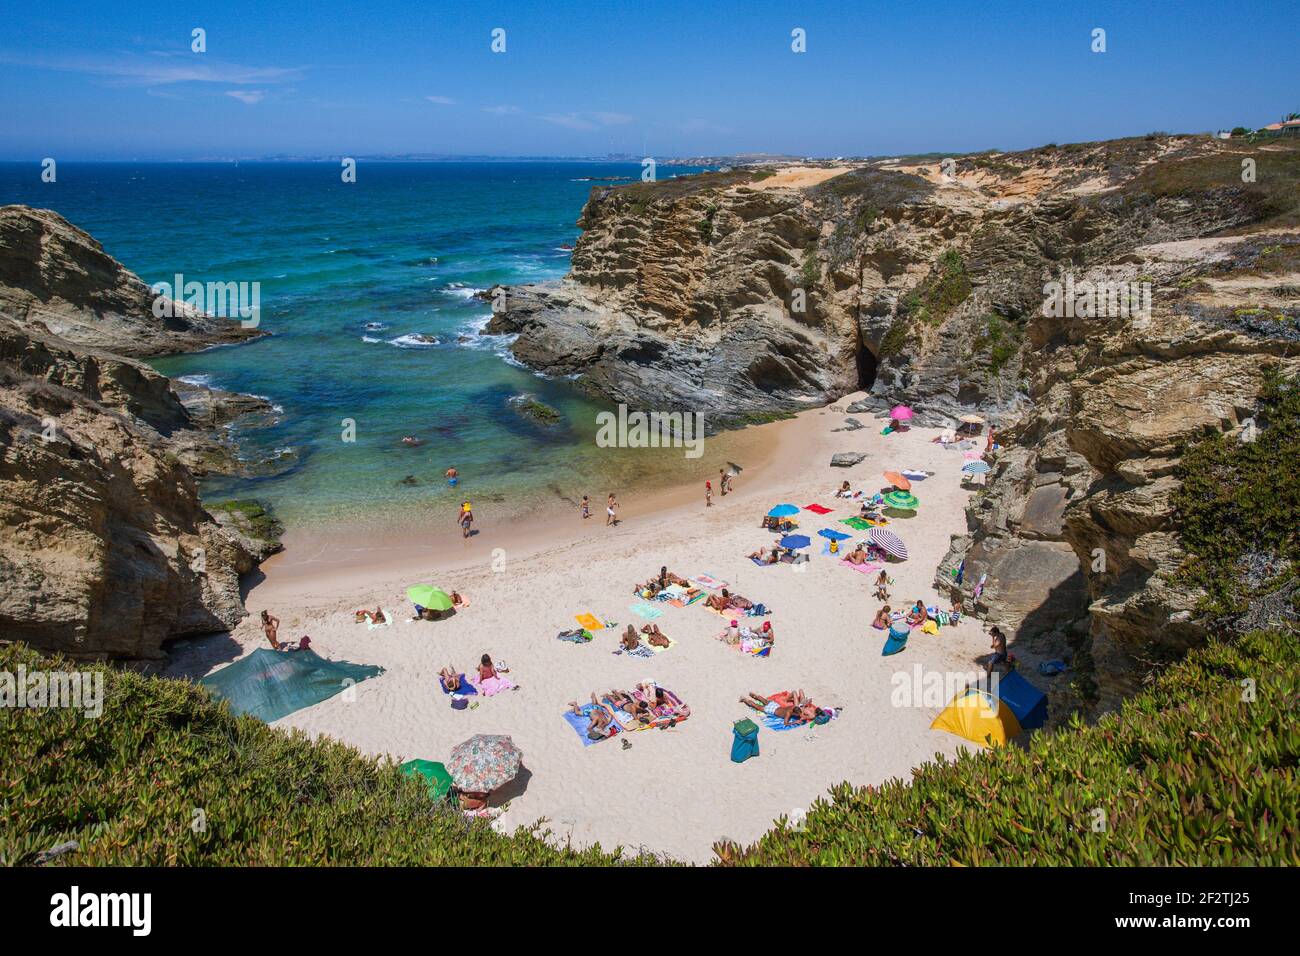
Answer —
929 627
590 622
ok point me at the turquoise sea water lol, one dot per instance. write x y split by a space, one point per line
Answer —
349 271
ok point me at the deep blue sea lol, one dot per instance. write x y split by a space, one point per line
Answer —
348 273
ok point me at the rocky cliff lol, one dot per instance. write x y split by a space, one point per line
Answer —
54 275
105 547
743 293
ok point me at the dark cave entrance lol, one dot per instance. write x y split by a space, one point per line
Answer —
867 366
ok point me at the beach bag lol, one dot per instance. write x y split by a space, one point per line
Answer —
744 742
459 702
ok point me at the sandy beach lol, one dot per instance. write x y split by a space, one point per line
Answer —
675 790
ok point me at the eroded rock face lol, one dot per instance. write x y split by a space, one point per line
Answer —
54 274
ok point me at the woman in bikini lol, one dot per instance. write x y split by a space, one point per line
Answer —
602 721
883 619
630 640
450 679
654 636
856 556
882 586
270 626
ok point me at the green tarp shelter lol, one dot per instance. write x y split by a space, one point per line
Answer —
271 684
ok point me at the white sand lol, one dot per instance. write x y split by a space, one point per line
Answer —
675 791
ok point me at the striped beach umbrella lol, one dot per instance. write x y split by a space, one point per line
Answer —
976 467
903 500
888 542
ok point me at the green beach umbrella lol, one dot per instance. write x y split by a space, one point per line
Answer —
426 595
903 500
434 773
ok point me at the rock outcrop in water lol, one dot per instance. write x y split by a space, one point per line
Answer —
925 283
106 550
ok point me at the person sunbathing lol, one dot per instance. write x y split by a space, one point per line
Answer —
882 620
486 669
629 639
654 636
661 703
766 556
786 706
458 600
602 721
857 556
918 615
844 491
450 679
736 601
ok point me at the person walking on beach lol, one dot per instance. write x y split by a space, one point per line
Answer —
466 518
586 507
611 510
722 481
708 494
270 625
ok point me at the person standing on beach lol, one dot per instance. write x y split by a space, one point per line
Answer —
586 507
270 625
722 481
466 518
611 510
708 494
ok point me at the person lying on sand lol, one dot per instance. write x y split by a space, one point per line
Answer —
766 556
450 678
660 702
303 644
883 619
638 709
788 707
270 625
654 636
857 556
459 601
844 491
602 721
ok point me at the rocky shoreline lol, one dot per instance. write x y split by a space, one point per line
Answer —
106 549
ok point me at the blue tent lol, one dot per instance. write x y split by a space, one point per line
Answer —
271 684
1026 701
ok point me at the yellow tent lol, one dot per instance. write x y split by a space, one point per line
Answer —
979 716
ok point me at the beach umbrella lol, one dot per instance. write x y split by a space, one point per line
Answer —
434 773
901 413
888 542
484 762
915 475
976 467
834 535
897 480
783 511
733 469
795 541
971 420
904 500
426 595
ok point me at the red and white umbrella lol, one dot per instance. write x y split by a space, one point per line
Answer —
888 542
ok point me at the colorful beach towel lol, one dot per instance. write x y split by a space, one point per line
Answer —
861 524
760 562
778 725
870 567
466 688
582 724
647 611
389 617
687 602
709 581
589 621
492 686
818 509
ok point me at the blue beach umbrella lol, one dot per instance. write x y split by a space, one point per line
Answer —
833 534
976 467
783 511
795 541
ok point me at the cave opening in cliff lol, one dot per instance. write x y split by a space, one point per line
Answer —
867 365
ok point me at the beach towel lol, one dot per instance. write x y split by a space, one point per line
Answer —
493 685
663 716
589 621
466 688
576 636
915 474
870 567
647 611
930 627
775 723
687 602
860 524
673 591
760 562
582 724
709 581
818 509
388 620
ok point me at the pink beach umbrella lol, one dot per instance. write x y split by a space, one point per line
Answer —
901 413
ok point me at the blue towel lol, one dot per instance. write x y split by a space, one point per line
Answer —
761 563
466 688
646 611
582 724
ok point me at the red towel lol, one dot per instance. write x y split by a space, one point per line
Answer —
818 509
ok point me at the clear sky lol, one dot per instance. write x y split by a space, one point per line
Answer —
118 80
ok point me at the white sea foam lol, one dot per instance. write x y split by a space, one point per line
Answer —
414 340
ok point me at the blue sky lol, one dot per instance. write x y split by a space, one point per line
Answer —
119 81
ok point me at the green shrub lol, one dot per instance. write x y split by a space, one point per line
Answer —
1189 773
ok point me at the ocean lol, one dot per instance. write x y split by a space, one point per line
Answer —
367 291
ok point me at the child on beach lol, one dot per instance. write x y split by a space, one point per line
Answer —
270 625
611 510
708 494
586 507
